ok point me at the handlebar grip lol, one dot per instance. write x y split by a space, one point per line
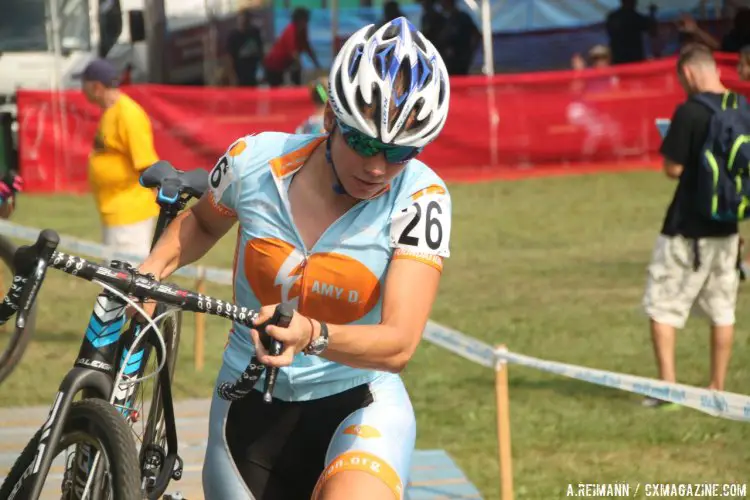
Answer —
282 316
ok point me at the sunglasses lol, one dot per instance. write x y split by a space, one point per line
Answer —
367 146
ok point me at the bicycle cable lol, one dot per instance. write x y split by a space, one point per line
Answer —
141 334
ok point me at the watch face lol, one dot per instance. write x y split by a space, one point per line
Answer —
319 345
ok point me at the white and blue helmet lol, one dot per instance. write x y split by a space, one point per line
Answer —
363 76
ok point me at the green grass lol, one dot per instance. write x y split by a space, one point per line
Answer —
553 268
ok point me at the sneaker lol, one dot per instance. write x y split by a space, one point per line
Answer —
649 402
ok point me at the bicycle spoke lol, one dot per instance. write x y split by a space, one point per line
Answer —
90 479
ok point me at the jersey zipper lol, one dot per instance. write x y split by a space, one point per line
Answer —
284 195
303 272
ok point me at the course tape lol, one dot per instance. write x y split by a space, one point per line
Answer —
91 249
460 344
722 404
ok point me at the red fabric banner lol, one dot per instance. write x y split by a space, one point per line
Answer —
507 126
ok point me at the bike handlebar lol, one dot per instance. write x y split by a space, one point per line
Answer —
32 261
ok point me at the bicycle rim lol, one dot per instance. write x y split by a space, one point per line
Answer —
95 457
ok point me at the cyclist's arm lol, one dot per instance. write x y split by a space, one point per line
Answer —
188 238
420 235
196 230
410 290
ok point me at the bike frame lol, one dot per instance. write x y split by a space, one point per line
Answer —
102 351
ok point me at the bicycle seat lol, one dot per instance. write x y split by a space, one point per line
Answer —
173 183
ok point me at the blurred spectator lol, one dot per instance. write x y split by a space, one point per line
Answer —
123 147
319 95
11 184
694 260
127 75
690 32
743 71
458 39
743 65
625 28
739 35
391 11
600 56
245 51
285 54
583 111
432 22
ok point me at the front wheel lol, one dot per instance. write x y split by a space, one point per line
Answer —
94 428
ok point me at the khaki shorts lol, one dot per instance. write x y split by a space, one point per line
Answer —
674 285
131 238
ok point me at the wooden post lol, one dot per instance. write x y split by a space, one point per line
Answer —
503 427
200 323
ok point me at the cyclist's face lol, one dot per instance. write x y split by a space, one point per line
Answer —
362 177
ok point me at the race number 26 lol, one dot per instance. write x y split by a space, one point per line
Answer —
433 230
424 226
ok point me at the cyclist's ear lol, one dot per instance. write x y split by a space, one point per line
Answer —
329 118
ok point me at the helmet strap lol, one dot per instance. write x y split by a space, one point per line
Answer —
338 187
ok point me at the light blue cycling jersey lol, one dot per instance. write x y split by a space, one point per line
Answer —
340 280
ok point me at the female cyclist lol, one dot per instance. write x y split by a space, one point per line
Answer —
351 230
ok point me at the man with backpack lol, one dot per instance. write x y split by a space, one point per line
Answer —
696 255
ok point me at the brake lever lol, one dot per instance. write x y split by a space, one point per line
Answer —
36 259
282 316
28 295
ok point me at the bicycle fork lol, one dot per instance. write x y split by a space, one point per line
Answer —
157 465
91 373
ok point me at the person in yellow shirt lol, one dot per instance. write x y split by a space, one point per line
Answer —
123 148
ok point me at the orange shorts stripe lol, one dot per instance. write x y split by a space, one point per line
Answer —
431 260
364 462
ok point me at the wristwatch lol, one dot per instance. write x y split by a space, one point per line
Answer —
317 346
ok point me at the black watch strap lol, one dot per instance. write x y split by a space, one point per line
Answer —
323 330
320 344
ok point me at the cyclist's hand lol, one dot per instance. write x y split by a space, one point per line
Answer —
294 338
148 306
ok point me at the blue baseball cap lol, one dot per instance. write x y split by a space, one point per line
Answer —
102 71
